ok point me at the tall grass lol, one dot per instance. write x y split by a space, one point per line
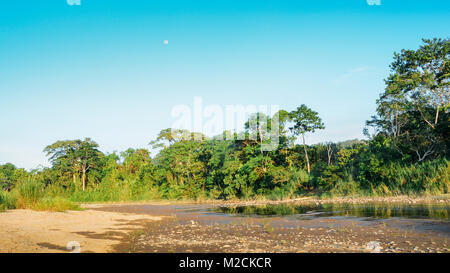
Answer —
7 200
116 190
296 186
30 194
55 204
429 178
348 187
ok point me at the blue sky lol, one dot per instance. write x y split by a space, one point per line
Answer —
102 70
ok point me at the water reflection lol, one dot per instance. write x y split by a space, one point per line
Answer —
347 210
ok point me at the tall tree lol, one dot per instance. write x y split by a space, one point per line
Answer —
305 121
88 156
76 156
331 148
257 127
133 160
169 136
413 109
422 77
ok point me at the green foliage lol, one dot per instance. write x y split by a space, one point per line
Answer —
31 194
30 191
77 157
413 110
326 176
9 175
7 200
431 177
347 187
305 120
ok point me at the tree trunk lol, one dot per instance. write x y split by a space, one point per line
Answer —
437 116
83 178
330 153
306 153
74 176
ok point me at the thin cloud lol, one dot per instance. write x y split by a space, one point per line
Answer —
342 78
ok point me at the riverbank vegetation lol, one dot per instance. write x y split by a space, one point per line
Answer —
406 153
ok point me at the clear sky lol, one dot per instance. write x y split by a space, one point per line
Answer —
102 69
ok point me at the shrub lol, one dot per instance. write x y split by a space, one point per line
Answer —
325 177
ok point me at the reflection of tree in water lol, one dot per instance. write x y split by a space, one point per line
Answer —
350 210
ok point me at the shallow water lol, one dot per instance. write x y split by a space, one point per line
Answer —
370 211
414 218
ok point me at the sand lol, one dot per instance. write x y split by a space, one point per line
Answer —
40 231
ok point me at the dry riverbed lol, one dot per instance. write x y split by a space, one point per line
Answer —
197 227
320 236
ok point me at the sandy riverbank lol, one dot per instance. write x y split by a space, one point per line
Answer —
38 231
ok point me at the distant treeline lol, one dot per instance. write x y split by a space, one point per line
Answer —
407 152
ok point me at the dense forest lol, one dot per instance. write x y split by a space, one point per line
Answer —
406 153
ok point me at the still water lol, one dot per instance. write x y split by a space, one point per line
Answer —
371 211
